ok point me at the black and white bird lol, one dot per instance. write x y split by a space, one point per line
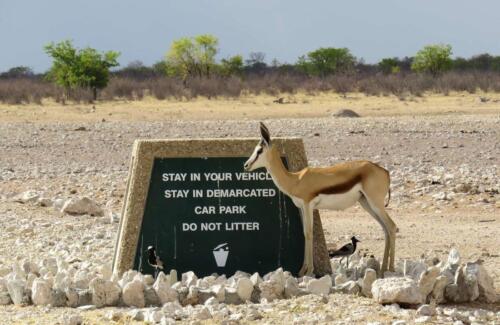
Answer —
346 250
154 260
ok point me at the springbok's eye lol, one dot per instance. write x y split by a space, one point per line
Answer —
259 151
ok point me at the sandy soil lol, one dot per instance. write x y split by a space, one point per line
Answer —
432 145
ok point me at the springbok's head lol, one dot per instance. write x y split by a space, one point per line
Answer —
258 159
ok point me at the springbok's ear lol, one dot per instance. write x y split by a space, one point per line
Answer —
264 132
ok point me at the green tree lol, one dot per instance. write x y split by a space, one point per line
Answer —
389 65
18 72
434 59
192 56
232 65
85 68
325 61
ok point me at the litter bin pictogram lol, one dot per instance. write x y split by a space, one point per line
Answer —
220 253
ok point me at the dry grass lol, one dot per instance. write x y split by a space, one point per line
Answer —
299 105
25 90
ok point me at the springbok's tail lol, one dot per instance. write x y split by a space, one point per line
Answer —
389 198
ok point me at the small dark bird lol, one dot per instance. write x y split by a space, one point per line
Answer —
346 250
154 260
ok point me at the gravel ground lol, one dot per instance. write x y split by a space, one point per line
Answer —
445 193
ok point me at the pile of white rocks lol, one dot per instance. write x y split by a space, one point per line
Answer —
74 206
56 283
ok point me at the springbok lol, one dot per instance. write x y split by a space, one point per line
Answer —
335 188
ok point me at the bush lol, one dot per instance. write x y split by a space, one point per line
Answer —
434 59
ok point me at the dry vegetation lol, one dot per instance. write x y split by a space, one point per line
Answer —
34 90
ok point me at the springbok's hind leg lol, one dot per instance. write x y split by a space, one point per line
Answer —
366 205
392 231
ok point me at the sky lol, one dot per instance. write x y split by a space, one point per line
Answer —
143 30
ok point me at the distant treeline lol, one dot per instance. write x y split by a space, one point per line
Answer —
191 69
256 65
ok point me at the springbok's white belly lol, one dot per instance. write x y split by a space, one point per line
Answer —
338 201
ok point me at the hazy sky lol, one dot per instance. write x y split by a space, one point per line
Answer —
143 30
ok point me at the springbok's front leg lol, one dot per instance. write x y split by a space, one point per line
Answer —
307 224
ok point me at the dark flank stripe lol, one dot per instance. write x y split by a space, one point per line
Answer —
340 188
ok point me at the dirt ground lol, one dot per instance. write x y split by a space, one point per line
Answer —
252 107
432 145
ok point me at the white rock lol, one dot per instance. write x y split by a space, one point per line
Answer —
87 307
27 197
170 309
58 203
173 276
81 279
244 288
397 290
104 292
189 278
426 310
465 287
127 277
291 287
442 196
453 257
427 280
340 279
438 291
321 286
41 293
72 320
133 294
413 269
80 206
350 287
273 285
366 283
17 292
212 301
399 322
153 315
219 291
136 314
164 290
256 279
485 283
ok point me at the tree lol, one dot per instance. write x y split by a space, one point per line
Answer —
232 65
18 72
256 62
85 68
389 65
434 59
325 61
192 56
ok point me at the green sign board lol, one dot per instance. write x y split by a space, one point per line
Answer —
209 216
